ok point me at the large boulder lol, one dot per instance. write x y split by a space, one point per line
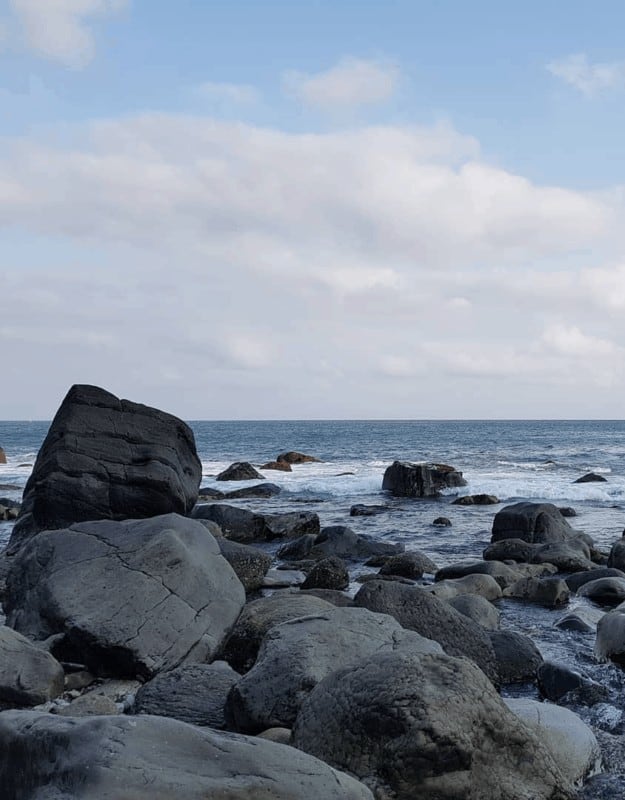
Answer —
341 541
240 471
518 658
128 598
296 655
105 458
405 479
193 693
426 726
604 591
245 526
537 523
411 564
154 758
433 618
28 674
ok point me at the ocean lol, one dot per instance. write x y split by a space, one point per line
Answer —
513 460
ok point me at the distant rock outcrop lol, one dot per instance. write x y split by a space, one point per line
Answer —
405 479
240 471
293 457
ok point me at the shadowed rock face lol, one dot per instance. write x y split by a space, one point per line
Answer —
404 479
105 458
154 758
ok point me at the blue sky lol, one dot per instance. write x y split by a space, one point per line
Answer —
433 191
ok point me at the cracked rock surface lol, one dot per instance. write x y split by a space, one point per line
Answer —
130 598
154 758
296 655
426 726
106 458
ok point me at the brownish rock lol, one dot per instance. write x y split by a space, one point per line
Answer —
293 457
283 466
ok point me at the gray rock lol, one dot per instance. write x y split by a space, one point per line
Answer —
411 564
279 735
262 490
208 493
3 456
570 741
296 655
105 458
617 555
289 525
435 619
361 510
328 573
405 479
559 683
570 556
575 582
29 675
567 511
89 705
480 584
582 620
504 574
510 550
240 471
537 523
154 758
610 641
280 466
604 591
518 658
476 608
193 693
548 592
249 563
476 500
129 598
341 541
425 726
332 596
283 578
605 786
259 616
241 525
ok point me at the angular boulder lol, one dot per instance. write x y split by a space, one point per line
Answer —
405 479
154 758
28 674
105 458
426 726
128 598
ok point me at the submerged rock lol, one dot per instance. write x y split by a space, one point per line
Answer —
405 479
280 466
476 500
260 490
591 477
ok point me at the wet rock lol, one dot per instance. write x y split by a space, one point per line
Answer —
484 585
604 591
567 511
610 641
549 592
537 523
293 457
591 477
442 522
411 564
261 490
388 721
405 479
341 541
193 693
433 618
476 500
105 458
240 471
502 573
208 493
558 683
582 620
241 525
332 596
617 555
145 758
279 466
328 573
128 598
360 510
249 563
476 608
509 550
29 675
283 578
576 581
570 556
259 616
518 658
302 652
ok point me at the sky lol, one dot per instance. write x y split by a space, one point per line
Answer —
345 209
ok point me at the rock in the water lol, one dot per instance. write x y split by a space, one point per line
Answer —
502 573
480 584
260 490
245 526
604 591
259 616
518 658
591 477
570 556
249 563
29 675
435 619
279 466
426 726
476 500
610 641
567 511
208 493
582 620
193 693
129 598
240 471
293 457
510 550
537 523
411 564
328 573
154 758
361 510
557 682
405 479
570 741
341 541
617 555
296 655
549 592
442 522
105 458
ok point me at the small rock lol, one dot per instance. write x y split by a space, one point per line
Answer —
567 511
293 457
411 564
240 471
361 510
78 680
281 466
259 490
277 578
442 522
207 493
329 573
89 705
476 500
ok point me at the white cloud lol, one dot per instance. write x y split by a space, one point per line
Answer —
348 85
60 29
570 341
232 93
586 77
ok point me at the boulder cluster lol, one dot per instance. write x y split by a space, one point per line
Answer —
147 652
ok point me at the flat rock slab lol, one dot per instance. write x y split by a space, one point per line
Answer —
106 458
154 758
28 675
129 598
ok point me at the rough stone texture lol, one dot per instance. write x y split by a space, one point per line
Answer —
193 693
504 574
509 550
518 658
606 786
332 596
569 740
105 458
89 705
591 477
245 526
413 726
129 598
480 584
549 592
154 758
559 683
329 573
610 641
296 655
240 471
28 675
476 500
361 510
259 490
575 582
405 479
259 616
537 523
293 457
476 608
433 618
411 564
570 556
249 563
341 541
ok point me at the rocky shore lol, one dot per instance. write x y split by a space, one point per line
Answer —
160 644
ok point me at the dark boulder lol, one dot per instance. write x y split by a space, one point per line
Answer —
548 592
476 608
518 658
338 540
604 591
504 574
476 500
591 477
208 493
361 510
249 563
567 511
576 581
244 526
261 490
328 573
411 564
240 471
617 555
105 458
537 523
510 550
293 457
442 522
560 684
127 598
405 479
